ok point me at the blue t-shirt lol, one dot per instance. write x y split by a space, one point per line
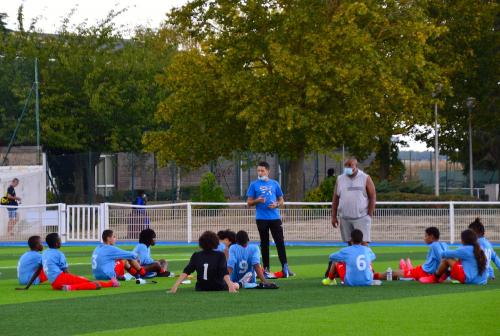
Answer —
469 264
143 254
433 258
54 263
270 190
221 247
242 260
104 258
358 259
490 256
28 264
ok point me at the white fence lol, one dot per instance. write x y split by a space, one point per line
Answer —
308 222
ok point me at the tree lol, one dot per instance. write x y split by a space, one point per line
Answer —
291 77
98 92
468 51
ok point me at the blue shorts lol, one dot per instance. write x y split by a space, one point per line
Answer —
12 213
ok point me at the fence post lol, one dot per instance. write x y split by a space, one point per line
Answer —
452 223
61 209
189 223
103 217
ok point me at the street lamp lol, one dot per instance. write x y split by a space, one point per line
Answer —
436 141
471 102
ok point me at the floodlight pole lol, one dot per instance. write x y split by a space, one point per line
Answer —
471 101
37 114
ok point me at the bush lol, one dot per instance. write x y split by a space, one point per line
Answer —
210 191
324 192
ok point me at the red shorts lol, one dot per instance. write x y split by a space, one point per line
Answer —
42 277
340 268
418 272
457 272
120 268
68 279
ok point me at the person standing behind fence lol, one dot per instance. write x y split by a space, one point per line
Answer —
266 195
354 201
11 200
139 218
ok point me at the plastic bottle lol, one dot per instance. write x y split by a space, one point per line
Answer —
389 274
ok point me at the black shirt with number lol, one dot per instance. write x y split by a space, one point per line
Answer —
12 192
210 267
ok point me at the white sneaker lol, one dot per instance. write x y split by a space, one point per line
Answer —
186 282
128 277
376 283
246 278
140 281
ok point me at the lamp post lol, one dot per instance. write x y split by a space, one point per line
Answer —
470 102
436 142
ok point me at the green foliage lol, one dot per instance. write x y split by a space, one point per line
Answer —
291 77
210 191
468 53
324 192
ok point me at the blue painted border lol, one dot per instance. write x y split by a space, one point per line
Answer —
301 244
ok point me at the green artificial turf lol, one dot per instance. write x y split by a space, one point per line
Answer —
300 307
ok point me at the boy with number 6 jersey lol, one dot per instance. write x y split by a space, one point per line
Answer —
357 258
210 267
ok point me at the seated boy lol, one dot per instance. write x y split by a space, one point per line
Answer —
143 251
107 260
490 253
56 268
425 272
29 268
244 263
226 239
210 267
357 259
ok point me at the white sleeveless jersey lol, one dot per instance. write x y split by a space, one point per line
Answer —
353 202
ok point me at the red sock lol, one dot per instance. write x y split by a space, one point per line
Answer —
105 284
162 270
132 271
331 275
84 286
142 271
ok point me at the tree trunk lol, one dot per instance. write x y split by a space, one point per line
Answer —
295 180
384 159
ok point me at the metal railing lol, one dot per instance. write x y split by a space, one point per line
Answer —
302 221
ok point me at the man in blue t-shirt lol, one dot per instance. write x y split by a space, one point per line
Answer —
266 195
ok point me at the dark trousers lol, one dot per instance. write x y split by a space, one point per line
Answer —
275 226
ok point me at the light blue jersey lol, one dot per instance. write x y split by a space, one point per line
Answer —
270 190
358 259
28 264
104 258
490 256
242 260
433 258
469 264
221 247
143 254
54 263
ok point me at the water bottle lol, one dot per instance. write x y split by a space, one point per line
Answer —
389 274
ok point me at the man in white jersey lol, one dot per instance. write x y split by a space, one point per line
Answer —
353 201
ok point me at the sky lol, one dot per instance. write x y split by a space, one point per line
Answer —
146 12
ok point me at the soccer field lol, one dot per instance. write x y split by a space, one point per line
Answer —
300 307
